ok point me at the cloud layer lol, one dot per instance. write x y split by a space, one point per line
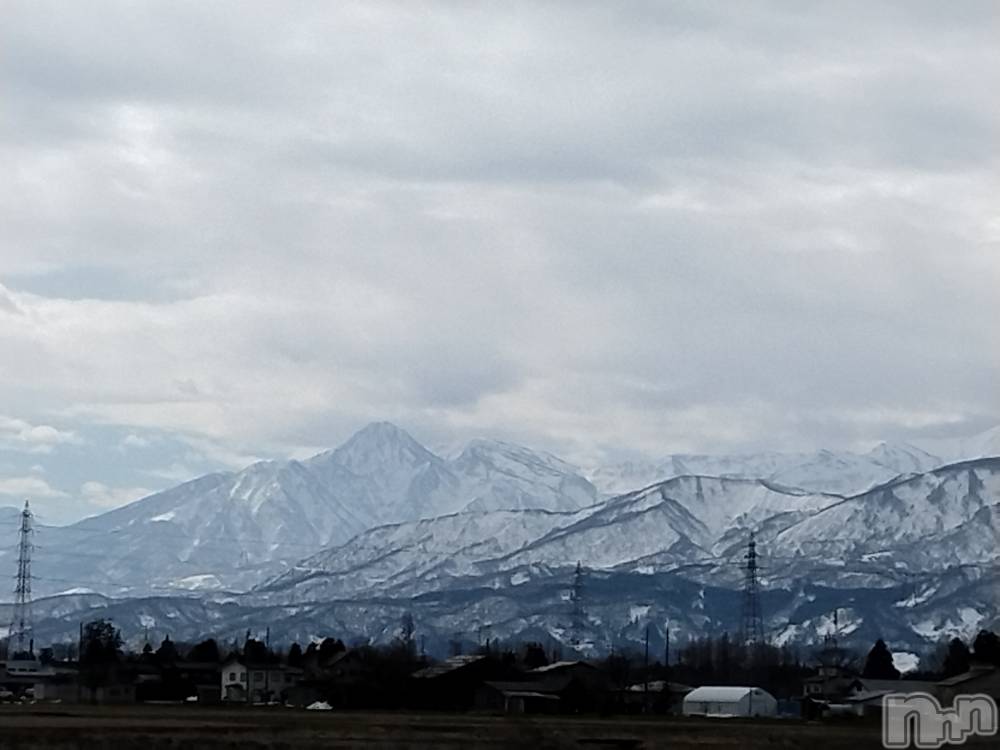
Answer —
247 229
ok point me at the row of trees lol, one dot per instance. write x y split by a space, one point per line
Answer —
720 660
951 658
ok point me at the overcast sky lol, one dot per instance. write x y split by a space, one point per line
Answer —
241 230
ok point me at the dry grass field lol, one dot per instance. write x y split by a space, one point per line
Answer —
189 727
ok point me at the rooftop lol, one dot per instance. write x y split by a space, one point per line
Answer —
451 664
556 665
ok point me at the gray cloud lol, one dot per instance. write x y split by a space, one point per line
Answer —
597 229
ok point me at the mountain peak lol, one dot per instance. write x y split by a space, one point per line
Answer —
378 446
903 457
490 451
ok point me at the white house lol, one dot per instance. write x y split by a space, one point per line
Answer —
234 680
730 701
244 682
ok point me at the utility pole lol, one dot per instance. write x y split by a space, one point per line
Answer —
79 663
21 643
666 651
752 628
267 664
645 674
578 622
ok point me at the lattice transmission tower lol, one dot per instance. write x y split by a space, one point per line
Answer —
752 628
20 642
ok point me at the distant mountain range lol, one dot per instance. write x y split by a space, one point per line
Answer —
896 541
840 473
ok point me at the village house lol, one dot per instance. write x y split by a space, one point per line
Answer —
865 695
528 697
834 674
981 679
244 681
655 696
336 678
451 685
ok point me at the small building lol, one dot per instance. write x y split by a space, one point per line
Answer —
19 675
865 695
451 685
518 697
250 682
655 696
344 679
980 679
65 683
58 682
730 701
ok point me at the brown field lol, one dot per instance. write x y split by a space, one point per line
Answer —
191 727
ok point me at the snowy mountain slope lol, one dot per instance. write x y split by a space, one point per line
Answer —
912 561
681 519
400 478
499 528
823 472
221 530
985 444
534 605
233 530
688 515
407 482
444 547
903 458
502 476
930 538
921 513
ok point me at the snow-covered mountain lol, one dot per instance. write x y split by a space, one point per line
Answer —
670 524
439 549
408 482
923 515
920 539
491 535
825 472
985 444
532 605
235 529
221 530
502 476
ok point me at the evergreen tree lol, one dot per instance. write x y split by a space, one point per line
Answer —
534 656
167 652
958 659
987 647
295 655
255 651
406 631
329 648
206 651
101 643
100 652
879 664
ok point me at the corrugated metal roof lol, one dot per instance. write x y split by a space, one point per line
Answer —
721 694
